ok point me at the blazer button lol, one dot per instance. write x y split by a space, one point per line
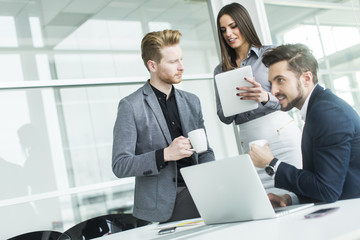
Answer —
174 180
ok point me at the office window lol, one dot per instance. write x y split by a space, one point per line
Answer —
8 34
110 40
64 66
331 30
10 68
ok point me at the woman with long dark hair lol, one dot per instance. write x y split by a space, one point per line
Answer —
240 46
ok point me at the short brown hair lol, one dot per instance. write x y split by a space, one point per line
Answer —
298 56
153 42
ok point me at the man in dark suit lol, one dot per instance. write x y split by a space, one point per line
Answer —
150 134
331 134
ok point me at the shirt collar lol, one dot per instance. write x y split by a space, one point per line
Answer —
161 95
304 108
255 50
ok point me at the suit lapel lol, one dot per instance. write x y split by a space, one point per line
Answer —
154 105
183 112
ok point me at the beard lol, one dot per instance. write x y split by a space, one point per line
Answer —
292 104
295 102
170 79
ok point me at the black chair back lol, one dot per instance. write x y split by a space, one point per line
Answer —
38 235
103 225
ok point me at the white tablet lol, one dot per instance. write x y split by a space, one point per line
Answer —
226 84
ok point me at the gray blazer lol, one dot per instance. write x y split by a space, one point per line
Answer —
140 129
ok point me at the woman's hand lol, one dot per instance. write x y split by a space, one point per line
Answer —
255 93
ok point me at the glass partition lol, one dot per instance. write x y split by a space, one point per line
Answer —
331 30
56 154
65 66
97 39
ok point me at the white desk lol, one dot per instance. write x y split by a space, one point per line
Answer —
340 225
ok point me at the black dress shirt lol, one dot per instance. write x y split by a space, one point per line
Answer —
171 114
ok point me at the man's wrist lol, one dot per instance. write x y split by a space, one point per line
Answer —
294 198
270 167
165 155
288 199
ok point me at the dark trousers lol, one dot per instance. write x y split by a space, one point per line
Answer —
184 206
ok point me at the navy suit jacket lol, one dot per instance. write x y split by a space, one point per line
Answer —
330 151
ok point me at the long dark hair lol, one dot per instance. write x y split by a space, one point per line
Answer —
246 27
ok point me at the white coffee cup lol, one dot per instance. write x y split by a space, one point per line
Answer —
198 140
260 142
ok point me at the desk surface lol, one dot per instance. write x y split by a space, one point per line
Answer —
339 225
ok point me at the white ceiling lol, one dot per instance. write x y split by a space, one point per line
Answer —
60 18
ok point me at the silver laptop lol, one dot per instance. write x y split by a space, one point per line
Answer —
226 84
230 190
